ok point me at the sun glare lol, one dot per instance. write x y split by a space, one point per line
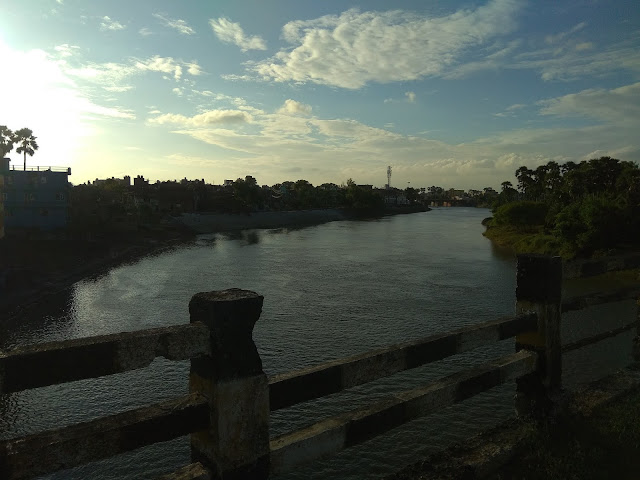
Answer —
35 93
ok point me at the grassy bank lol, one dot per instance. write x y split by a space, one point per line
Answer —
525 239
607 445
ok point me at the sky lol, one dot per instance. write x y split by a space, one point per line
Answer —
453 94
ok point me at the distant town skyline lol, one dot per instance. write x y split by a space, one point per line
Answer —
457 95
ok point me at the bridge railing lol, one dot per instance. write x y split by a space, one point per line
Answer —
227 410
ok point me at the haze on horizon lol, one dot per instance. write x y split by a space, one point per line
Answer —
458 94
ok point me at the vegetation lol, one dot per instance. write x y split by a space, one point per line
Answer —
6 141
23 137
575 209
600 447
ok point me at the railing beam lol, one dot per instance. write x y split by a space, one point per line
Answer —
590 300
597 338
67 447
295 387
69 360
336 433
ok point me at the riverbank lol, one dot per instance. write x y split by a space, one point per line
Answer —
222 222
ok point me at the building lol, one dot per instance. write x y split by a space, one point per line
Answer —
34 198
125 181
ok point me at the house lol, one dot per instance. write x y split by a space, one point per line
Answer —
34 198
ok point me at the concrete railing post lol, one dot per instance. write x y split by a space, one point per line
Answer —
539 290
636 339
237 444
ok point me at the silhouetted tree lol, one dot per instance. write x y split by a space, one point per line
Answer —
27 142
7 140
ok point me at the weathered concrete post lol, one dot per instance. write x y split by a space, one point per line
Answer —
539 290
237 444
636 339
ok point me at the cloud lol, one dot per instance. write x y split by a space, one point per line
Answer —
66 50
233 77
231 32
203 119
265 143
291 107
108 24
160 64
352 49
553 39
177 91
118 89
177 24
411 97
575 60
145 32
619 105
193 68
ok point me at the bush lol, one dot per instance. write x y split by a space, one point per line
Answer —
521 214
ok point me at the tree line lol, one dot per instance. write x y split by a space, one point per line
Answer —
575 208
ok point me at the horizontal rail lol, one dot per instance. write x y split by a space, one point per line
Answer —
299 386
66 361
336 433
597 338
598 266
194 471
589 300
68 447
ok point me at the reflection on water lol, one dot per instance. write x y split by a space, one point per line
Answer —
330 291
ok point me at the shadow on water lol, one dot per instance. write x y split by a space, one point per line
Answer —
26 322
501 253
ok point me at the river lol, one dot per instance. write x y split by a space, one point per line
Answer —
330 290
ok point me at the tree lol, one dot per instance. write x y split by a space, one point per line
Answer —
6 140
27 142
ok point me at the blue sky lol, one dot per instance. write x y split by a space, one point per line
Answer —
456 94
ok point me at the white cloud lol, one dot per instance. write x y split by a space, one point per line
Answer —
411 97
108 24
66 50
354 48
231 32
233 77
203 119
574 60
193 68
177 24
118 89
291 107
620 105
177 91
553 39
145 31
342 148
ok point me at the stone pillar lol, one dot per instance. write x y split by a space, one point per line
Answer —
636 341
237 444
539 290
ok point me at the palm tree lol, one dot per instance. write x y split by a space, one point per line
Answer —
27 142
6 141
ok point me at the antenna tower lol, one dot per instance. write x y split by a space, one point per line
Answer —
389 176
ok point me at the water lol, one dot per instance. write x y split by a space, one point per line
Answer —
330 291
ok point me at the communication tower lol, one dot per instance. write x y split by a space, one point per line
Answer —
389 176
